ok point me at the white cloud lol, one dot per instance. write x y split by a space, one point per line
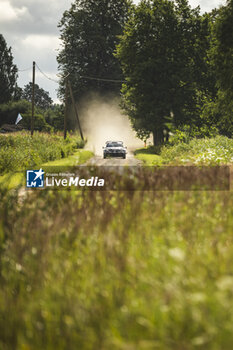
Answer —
30 28
9 13
207 5
41 42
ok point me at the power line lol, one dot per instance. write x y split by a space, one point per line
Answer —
82 77
46 76
102 79
24 70
66 76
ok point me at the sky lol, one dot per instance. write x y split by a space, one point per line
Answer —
30 28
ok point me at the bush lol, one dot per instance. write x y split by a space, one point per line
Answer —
187 132
218 150
9 111
39 123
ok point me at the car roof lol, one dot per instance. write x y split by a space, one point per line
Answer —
114 141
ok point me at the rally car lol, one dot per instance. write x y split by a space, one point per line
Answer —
114 149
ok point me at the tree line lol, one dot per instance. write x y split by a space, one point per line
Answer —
14 99
170 64
175 63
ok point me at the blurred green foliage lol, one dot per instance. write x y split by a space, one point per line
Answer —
116 270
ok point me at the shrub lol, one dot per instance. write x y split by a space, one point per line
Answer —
218 150
9 111
39 122
187 132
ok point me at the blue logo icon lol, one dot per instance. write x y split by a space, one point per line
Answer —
35 178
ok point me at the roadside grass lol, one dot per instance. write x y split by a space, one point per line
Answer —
20 151
149 156
13 180
206 151
150 159
79 157
116 270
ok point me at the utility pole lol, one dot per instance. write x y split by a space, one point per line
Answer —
76 111
33 97
66 108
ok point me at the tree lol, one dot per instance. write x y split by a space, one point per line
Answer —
8 72
200 74
54 116
218 109
10 110
218 113
222 51
42 98
89 32
161 58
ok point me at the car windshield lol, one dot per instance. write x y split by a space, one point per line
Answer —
114 144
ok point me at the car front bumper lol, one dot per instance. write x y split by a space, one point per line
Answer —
114 154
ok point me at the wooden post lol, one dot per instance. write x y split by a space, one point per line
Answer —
76 111
66 109
33 97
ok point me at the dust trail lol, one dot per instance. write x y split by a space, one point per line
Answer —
102 120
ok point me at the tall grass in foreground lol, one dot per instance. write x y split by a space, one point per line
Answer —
116 270
19 151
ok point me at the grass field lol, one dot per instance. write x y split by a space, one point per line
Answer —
116 270
20 151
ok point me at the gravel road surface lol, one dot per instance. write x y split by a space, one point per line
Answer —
129 161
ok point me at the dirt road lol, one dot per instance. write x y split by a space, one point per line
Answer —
129 161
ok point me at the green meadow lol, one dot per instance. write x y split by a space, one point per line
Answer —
116 270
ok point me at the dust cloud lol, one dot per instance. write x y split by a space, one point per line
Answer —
103 120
